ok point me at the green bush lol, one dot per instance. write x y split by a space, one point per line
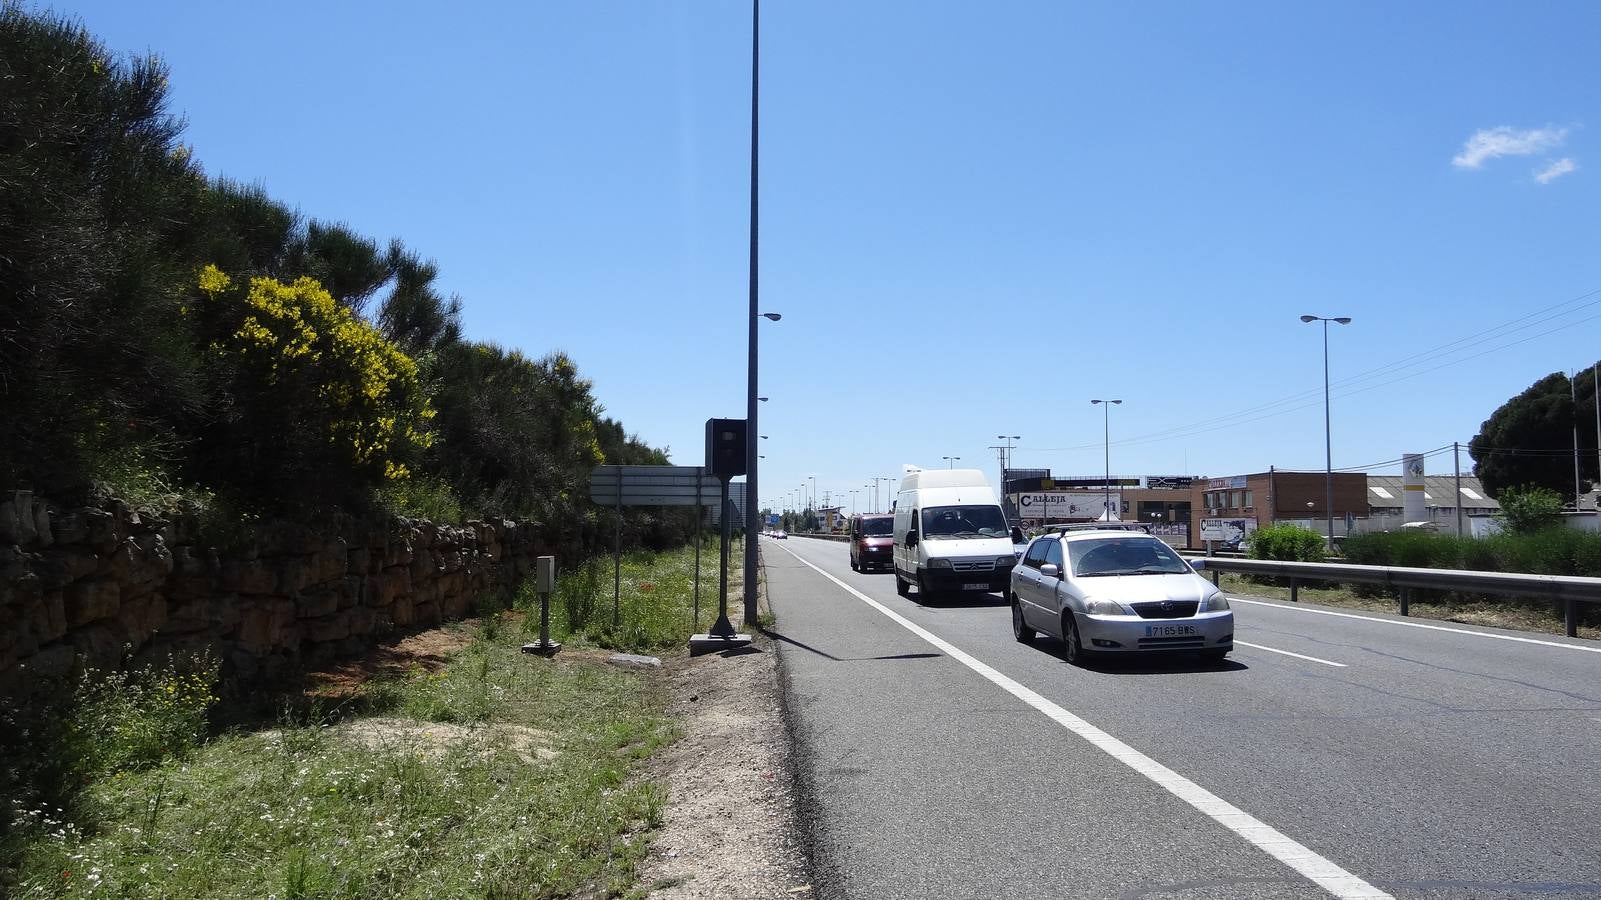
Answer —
1290 543
1529 509
130 721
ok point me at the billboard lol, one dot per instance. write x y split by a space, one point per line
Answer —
1228 532
1066 505
1169 482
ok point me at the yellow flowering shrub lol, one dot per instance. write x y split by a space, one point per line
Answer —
326 366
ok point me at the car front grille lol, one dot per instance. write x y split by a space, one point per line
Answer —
1171 609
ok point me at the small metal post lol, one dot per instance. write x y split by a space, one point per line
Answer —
722 627
699 533
1214 578
1406 601
1570 616
1295 590
617 553
544 584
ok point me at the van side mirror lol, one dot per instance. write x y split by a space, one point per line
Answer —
911 538
1017 535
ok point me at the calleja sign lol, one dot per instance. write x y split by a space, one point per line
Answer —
1066 505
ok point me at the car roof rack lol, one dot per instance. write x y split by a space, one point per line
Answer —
1074 527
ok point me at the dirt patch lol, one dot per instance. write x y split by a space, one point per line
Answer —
435 738
728 830
426 651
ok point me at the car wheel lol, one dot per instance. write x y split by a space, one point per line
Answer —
901 587
1072 647
1020 629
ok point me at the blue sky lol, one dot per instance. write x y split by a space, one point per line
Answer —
975 217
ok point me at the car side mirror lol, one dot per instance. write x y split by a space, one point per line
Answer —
1051 570
1198 564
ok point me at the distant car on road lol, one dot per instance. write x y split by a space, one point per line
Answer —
781 534
1107 591
872 541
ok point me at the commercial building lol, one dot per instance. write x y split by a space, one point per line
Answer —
1162 502
1440 499
1266 498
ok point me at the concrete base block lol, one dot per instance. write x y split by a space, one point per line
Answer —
701 644
545 648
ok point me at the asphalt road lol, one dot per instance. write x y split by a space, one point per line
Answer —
1432 763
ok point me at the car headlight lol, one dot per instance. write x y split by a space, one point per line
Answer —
1215 603
1103 608
939 564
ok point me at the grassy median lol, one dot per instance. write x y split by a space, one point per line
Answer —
484 773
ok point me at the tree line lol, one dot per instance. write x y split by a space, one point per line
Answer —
171 336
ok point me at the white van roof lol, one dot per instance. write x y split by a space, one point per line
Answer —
944 478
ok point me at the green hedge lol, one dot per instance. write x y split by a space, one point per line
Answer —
1286 542
1553 551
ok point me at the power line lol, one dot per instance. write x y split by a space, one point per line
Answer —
1228 420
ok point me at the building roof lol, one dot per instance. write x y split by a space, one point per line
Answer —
1438 491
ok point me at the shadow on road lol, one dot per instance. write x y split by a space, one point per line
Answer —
958 600
826 655
1172 663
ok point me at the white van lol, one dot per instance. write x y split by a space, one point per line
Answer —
951 534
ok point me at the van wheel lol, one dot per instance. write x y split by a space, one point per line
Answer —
854 566
1020 629
901 587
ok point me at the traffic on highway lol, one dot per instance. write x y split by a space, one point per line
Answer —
1016 742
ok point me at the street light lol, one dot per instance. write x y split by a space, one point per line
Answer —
1328 439
951 460
772 317
1106 432
1006 459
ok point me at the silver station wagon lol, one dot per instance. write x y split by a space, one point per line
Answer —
1116 592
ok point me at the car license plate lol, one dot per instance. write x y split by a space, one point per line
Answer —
1169 630
980 586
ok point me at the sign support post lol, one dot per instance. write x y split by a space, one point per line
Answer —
617 553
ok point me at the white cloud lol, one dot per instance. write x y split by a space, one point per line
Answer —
1556 170
1489 143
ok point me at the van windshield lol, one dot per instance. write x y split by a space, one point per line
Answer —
880 527
942 522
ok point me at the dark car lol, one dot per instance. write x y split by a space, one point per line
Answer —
872 546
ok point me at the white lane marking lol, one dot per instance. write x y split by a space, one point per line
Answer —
1483 634
1288 653
1315 868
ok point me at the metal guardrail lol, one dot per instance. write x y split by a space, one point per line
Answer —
1571 590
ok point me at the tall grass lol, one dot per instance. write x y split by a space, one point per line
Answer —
1553 551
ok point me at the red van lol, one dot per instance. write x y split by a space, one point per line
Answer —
872 546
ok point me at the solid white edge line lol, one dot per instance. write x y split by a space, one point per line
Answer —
1325 662
1483 634
1320 871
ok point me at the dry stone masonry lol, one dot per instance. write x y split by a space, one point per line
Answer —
101 584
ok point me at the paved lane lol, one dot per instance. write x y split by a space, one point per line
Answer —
1433 764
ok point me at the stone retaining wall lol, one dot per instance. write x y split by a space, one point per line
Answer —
103 583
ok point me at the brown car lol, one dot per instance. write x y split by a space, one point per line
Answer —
872 546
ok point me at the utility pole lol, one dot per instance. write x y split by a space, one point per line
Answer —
752 401
1456 454
1573 395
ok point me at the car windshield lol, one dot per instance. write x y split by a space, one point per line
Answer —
942 522
1124 556
883 527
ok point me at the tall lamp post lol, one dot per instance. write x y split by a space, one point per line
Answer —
1106 436
751 455
950 461
1328 439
